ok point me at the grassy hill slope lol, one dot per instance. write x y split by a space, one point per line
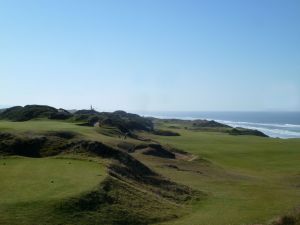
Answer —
131 193
199 176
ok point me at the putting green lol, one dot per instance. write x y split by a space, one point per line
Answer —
42 179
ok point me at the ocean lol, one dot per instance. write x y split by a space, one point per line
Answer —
274 124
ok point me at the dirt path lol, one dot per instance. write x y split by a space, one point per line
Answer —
193 158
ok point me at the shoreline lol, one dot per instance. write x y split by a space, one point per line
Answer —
274 130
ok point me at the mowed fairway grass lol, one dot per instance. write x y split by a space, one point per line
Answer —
34 179
251 179
29 186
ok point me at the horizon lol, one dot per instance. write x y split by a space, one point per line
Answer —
161 111
272 123
151 55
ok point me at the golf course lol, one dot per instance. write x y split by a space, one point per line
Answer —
128 169
150 112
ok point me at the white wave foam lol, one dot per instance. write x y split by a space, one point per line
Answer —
271 129
263 124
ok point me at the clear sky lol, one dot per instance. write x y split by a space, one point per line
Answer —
151 54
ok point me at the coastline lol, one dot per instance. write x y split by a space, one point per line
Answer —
272 129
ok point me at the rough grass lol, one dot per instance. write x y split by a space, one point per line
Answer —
292 218
119 202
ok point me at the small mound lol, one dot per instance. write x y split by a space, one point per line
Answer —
61 114
28 112
165 133
292 218
245 131
63 134
109 131
21 145
116 202
31 145
123 121
208 123
156 150
128 147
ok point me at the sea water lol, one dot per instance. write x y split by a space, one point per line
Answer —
274 124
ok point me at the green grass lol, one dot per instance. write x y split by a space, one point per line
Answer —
30 185
36 200
252 179
29 197
49 125
36 179
249 179
41 125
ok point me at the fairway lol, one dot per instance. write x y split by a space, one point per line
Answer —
251 180
43 179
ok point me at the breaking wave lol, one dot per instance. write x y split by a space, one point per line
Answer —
272 130
275 130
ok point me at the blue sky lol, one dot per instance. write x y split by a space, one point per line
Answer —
151 55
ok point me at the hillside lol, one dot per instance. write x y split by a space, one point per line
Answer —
205 125
164 172
28 112
101 202
125 122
